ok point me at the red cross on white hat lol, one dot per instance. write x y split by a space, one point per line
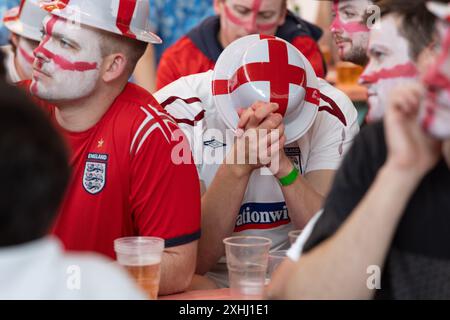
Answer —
265 68
25 20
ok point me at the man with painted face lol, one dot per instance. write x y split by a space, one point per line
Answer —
384 232
199 50
24 22
399 52
124 182
350 29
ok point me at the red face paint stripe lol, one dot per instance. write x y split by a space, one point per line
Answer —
349 27
252 23
68 65
124 17
435 77
59 60
430 110
255 9
407 70
28 58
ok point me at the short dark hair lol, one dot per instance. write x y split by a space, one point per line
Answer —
418 25
34 169
115 43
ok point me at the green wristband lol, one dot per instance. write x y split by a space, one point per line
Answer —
290 178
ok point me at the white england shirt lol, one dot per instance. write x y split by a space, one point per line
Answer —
263 212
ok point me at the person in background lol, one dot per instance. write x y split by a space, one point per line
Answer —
384 232
350 29
25 23
34 174
171 19
199 50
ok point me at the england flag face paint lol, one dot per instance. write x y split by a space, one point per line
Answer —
350 31
390 65
25 56
240 18
67 61
435 116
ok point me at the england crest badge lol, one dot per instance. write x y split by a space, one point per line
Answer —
94 177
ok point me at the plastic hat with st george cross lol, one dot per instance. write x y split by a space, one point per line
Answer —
25 20
441 10
269 69
129 18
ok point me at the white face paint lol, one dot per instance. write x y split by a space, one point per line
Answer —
67 62
435 116
389 66
25 56
350 32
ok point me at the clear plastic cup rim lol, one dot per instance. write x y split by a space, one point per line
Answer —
139 245
230 241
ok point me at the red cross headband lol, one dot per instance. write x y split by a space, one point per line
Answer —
265 68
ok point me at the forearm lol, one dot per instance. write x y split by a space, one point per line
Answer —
302 199
337 269
220 206
177 269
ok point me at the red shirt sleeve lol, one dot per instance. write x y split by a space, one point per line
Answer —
311 51
165 197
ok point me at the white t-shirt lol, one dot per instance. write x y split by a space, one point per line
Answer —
11 72
263 212
42 270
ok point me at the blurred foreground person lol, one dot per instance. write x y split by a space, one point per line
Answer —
384 232
34 174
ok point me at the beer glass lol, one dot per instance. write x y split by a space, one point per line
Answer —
247 259
141 257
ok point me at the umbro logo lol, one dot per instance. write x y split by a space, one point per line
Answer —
214 144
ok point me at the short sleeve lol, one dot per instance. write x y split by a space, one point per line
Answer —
165 192
351 183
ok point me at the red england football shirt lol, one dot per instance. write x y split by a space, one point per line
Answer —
124 182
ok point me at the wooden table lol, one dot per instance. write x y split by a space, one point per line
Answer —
214 294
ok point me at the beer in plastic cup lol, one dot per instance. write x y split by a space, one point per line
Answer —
141 257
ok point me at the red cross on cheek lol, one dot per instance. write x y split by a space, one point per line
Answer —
28 57
349 27
407 70
278 72
59 60
250 24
